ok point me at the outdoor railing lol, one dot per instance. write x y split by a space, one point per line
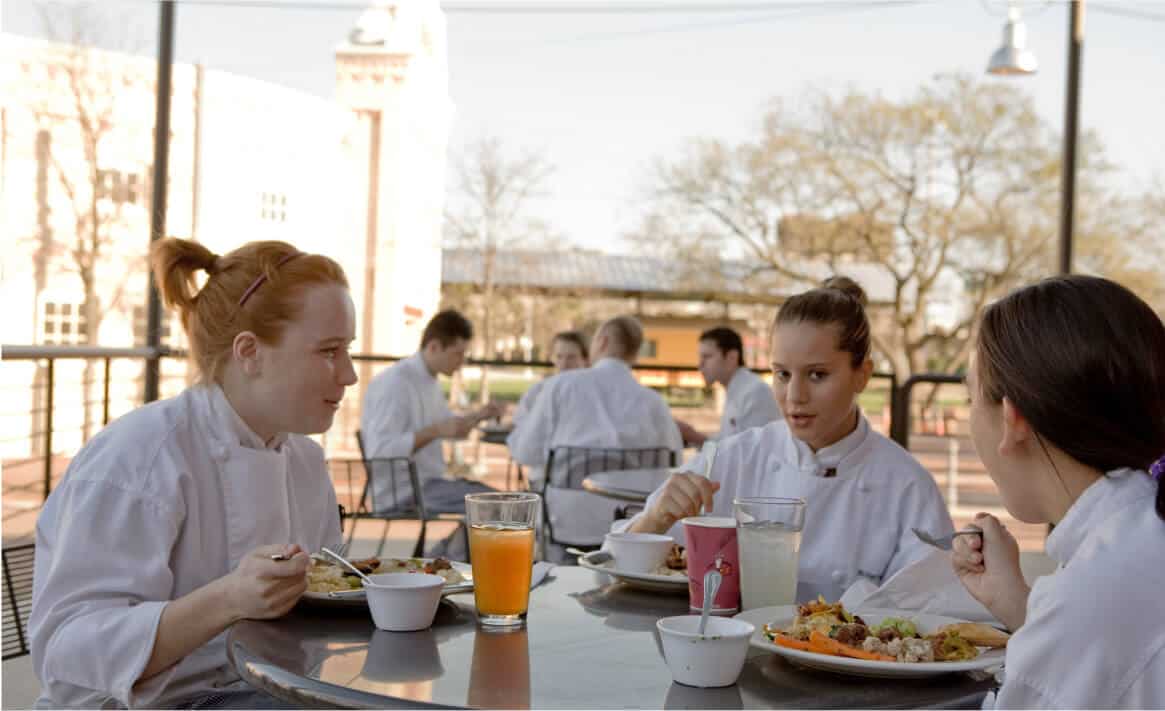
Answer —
63 395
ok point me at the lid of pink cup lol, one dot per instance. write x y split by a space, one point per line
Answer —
710 521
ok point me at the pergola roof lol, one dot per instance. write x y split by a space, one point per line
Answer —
650 277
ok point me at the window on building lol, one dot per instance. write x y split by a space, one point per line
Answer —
63 324
121 187
273 207
141 323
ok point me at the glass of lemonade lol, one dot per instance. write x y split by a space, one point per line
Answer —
501 550
768 536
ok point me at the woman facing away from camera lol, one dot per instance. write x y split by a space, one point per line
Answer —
1067 389
863 492
162 533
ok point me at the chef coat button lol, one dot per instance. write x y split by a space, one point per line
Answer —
838 576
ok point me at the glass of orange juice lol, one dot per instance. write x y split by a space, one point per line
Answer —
501 549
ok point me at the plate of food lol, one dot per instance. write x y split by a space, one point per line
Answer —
875 642
331 584
671 577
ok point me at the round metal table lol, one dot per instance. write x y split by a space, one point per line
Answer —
495 434
627 484
588 643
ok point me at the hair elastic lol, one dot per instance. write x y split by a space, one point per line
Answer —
263 277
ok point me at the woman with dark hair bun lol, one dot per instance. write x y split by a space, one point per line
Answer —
1067 388
863 492
189 514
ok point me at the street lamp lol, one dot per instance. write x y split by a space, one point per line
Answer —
1014 59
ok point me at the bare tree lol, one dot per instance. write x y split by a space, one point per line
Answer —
956 185
489 211
80 118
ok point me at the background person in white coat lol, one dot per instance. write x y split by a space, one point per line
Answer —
863 492
568 351
405 414
748 400
161 534
1067 388
600 406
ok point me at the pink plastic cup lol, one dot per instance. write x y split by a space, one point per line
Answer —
711 543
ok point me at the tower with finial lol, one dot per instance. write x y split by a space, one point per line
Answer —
392 73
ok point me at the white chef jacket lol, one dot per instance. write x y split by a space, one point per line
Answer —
160 503
526 402
1094 634
748 403
600 406
857 521
400 402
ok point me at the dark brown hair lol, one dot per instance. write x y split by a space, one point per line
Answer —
573 337
213 315
726 340
838 301
1083 359
446 328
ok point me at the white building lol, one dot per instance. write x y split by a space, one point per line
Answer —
360 179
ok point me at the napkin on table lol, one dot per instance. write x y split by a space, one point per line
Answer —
928 585
538 574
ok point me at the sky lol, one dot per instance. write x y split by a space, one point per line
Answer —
603 95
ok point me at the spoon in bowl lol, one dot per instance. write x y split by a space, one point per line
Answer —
712 580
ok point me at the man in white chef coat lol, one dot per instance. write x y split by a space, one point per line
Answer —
748 400
405 415
598 407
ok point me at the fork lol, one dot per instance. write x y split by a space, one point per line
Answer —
945 542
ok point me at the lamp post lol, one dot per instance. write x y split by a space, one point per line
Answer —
158 201
1014 59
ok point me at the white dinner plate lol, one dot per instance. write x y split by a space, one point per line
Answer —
782 616
356 597
674 584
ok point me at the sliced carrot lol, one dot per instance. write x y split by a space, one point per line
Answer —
858 653
792 643
823 644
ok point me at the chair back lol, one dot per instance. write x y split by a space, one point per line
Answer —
567 467
17 602
402 499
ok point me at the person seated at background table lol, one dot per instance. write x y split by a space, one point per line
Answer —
748 400
162 532
405 415
568 351
1067 386
863 492
600 406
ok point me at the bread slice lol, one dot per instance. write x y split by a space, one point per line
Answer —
978 634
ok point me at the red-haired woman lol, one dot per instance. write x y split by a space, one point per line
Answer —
163 531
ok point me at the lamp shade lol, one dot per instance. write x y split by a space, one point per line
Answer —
1013 57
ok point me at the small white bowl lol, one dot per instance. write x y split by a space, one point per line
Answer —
404 602
709 660
638 552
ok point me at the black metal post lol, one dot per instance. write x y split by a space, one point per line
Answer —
161 174
48 430
1071 132
105 395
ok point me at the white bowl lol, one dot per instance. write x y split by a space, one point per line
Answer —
709 660
404 602
638 552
